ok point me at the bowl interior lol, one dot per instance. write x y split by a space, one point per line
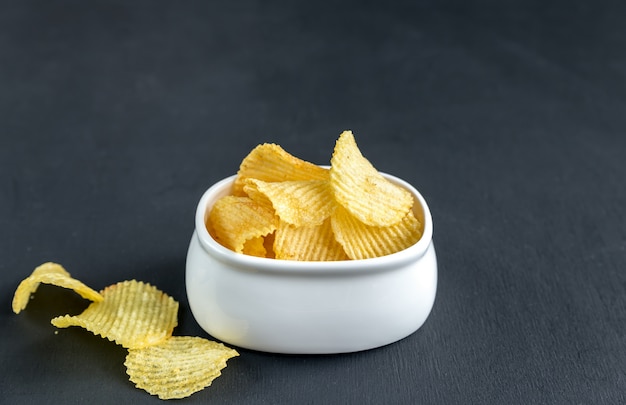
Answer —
222 253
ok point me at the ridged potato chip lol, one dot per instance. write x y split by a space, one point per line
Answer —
234 220
310 243
299 202
375 216
361 241
362 190
255 247
141 318
251 190
132 314
50 273
269 162
178 367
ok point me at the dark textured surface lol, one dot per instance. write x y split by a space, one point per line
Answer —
116 116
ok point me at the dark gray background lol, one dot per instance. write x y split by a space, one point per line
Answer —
115 116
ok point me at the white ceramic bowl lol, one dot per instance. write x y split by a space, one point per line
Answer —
293 307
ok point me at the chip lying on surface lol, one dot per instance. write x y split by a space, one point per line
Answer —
349 211
132 314
50 273
178 367
140 318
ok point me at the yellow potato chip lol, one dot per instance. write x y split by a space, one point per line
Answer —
133 314
312 243
234 220
270 162
251 190
50 273
302 197
178 367
362 190
361 241
299 202
141 318
255 247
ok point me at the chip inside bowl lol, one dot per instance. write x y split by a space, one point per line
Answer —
235 220
362 190
362 241
301 203
350 211
307 243
270 162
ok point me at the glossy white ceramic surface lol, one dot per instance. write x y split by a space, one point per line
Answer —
308 307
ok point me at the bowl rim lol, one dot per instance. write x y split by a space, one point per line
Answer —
270 265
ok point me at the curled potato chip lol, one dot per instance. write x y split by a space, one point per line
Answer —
269 162
50 273
307 243
299 202
178 367
302 197
251 190
133 314
362 190
361 241
234 220
141 318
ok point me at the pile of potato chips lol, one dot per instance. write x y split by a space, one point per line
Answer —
283 207
140 318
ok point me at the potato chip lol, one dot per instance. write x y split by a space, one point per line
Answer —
299 202
178 367
255 247
312 243
251 190
361 241
50 273
234 220
141 318
133 314
269 162
362 190
302 197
